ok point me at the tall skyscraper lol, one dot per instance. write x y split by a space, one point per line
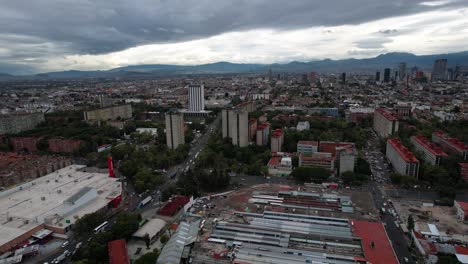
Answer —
343 78
235 124
174 129
312 77
377 76
402 71
439 70
196 98
387 73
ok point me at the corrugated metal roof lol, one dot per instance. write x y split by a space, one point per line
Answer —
185 234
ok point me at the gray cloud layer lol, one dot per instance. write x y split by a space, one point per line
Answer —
31 29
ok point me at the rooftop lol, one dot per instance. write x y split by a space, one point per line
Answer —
387 114
44 200
431 147
374 233
152 227
404 152
452 141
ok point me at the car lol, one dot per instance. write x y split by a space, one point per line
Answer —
67 253
79 245
65 244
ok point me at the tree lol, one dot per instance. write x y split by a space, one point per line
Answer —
308 174
164 238
148 258
410 222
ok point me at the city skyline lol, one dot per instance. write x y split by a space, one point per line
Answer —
100 36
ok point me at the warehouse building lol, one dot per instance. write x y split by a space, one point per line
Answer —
54 202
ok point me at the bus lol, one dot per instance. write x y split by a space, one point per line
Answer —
145 201
101 227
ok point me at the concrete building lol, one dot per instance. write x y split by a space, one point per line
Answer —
280 166
263 134
18 168
109 113
318 160
252 128
328 111
329 155
307 147
356 114
304 125
174 129
60 145
28 144
236 126
54 202
196 98
402 159
402 71
402 110
345 159
385 123
439 70
12 124
431 153
277 138
450 145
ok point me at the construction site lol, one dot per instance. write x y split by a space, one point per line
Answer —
271 223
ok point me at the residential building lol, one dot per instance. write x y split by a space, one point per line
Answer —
430 152
345 158
263 134
328 111
444 116
28 144
402 159
304 125
356 114
277 138
385 123
402 110
377 76
462 210
196 98
252 128
116 112
236 126
12 124
64 145
174 129
450 145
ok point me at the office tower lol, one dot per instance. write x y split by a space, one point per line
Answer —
343 78
270 74
450 74
457 72
414 70
439 70
174 129
402 71
387 73
236 126
377 76
196 98
395 78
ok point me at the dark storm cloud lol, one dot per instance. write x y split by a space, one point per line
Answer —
102 26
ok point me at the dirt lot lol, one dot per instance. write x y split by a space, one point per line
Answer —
443 216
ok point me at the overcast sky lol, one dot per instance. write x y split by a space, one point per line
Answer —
55 35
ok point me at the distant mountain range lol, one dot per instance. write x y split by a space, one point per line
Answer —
389 60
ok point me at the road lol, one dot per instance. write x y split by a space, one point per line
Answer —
380 171
132 200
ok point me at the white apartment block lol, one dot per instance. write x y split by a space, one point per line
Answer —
385 123
403 160
174 129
